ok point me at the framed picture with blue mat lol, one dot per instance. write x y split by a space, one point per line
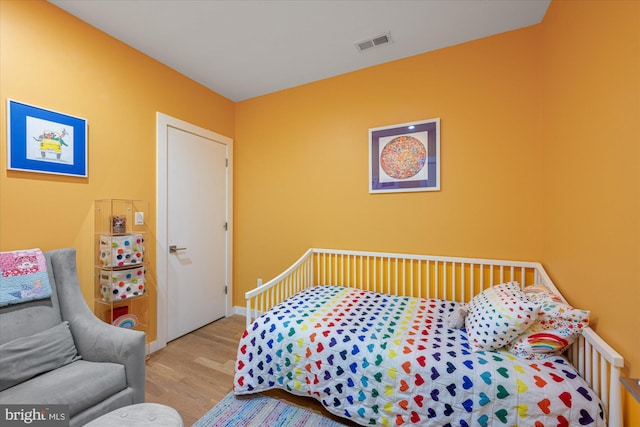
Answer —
45 141
405 157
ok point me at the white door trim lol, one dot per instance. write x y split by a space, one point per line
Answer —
163 122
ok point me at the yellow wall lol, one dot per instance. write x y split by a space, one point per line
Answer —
51 59
302 172
591 167
540 161
539 152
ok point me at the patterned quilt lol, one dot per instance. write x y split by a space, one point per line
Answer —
23 276
389 361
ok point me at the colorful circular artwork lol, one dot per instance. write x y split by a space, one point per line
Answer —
128 321
403 157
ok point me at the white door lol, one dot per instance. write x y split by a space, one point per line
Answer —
194 215
196 231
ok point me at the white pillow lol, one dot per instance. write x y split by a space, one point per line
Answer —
455 320
497 315
557 326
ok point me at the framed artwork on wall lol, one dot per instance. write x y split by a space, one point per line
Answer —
45 141
405 157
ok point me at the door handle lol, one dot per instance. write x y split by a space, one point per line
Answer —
173 249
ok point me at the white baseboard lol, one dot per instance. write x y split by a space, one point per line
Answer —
154 346
242 311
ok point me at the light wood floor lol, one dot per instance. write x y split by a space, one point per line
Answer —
194 372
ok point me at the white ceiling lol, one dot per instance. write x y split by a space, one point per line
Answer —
245 48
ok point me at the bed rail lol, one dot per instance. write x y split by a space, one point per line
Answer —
297 277
450 278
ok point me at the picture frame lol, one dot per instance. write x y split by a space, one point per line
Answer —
405 157
45 141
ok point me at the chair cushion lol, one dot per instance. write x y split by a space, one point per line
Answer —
26 357
80 385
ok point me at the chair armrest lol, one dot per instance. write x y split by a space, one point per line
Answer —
96 340
100 342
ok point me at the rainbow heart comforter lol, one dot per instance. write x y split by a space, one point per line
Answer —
389 361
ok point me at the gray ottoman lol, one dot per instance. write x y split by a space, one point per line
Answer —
142 414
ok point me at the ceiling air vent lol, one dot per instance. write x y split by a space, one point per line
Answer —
373 42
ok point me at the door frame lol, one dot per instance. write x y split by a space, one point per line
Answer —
163 123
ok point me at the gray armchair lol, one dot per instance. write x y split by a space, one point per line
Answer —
110 370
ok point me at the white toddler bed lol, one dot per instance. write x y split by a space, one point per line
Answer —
399 309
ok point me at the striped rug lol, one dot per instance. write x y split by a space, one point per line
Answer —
257 411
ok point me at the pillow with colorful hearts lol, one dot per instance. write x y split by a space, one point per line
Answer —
498 315
557 326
